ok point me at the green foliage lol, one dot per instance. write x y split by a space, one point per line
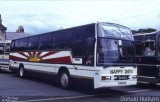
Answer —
148 30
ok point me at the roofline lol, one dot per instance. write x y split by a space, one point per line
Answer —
75 27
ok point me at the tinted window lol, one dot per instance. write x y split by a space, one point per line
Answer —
139 48
83 44
45 42
23 44
127 49
16 47
83 38
61 40
33 43
13 46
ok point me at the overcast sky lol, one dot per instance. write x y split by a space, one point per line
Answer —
44 16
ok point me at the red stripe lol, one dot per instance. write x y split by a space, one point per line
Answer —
65 60
17 58
34 53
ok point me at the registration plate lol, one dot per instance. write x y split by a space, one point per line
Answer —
122 83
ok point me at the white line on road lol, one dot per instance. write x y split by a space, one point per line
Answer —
83 96
50 99
136 91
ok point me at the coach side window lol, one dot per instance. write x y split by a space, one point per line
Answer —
16 47
33 43
45 42
23 44
139 48
83 44
13 46
61 40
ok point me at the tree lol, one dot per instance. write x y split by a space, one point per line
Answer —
20 29
148 30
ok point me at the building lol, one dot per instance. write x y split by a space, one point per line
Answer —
8 36
2 31
5 40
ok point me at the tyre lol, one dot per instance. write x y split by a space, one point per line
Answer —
21 72
64 80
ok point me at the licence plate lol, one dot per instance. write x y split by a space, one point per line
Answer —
122 83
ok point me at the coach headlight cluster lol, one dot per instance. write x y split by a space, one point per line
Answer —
105 77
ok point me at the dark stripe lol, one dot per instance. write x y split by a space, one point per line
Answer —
75 76
4 60
40 71
86 69
84 77
3 64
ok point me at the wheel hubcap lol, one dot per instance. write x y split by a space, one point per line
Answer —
64 79
21 72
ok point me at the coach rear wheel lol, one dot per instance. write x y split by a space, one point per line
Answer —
21 72
64 80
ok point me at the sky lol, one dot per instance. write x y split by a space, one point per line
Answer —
40 16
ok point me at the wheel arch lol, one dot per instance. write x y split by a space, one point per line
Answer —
63 68
21 65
